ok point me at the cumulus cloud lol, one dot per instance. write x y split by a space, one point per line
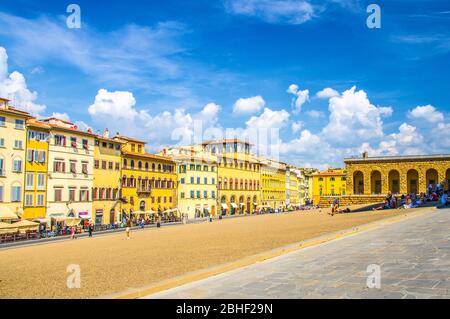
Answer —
269 119
273 11
249 105
300 97
14 87
428 113
315 114
327 93
353 118
296 126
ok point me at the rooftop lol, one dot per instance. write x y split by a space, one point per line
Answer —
394 158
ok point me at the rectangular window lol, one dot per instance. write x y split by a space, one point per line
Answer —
60 140
84 168
205 194
84 195
73 167
17 166
96 164
2 167
192 180
111 145
205 168
213 194
205 181
19 124
198 194
72 192
2 142
181 194
18 144
110 165
192 194
28 200
85 144
2 121
29 181
16 192
40 181
58 195
104 164
40 200
213 181
117 166
1 193
198 180
59 166
117 147
73 142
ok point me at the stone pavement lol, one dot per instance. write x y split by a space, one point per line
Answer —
413 255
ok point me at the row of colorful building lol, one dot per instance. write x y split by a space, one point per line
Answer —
51 168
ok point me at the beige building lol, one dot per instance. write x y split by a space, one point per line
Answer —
12 157
70 170
273 183
197 181
397 174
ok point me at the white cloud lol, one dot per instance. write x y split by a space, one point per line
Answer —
315 114
428 113
296 126
249 105
14 87
62 116
353 118
327 93
300 97
274 11
269 119
117 105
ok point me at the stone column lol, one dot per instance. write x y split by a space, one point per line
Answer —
403 181
367 186
384 180
422 186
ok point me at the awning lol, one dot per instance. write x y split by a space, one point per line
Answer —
24 225
7 214
173 210
84 215
72 221
42 220
255 203
6 228
242 204
234 205
224 206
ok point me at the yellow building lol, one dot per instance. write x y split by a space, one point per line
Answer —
148 181
36 166
273 183
197 181
107 174
12 157
396 174
238 176
70 170
292 198
331 182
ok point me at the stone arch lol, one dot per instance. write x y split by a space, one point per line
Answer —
375 182
432 177
232 200
394 181
241 204
412 181
142 206
358 183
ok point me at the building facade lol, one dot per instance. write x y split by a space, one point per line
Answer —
107 173
36 168
12 157
396 174
148 181
70 170
332 182
273 183
238 180
197 181
292 198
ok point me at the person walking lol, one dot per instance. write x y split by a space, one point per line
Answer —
128 229
90 229
72 232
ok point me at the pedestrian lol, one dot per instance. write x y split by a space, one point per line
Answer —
90 229
72 232
128 229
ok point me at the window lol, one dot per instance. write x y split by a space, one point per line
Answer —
133 147
2 168
73 167
17 166
117 147
2 121
139 148
1 193
2 142
16 192
198 194
85 144
110 165
40 181
59 166
213 181
84 195
58 195
36 156
182 180
103 164
84 168
19 124
29 181
117 166
332 179
73 142
18 144
205 168
205 194
192 180
40 200
38 136
96 164
198 180
111 145
213 194
60 140
205 181
192 194
181 194
72 194
213 169
28 200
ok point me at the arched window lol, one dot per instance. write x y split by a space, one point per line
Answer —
132 164
153 166
140 165
159 167
125 163
146 166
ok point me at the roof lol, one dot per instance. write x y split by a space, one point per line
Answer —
328 173
110 139
68 129
195 158
38 124
225 141
130 139
148 155
12 111
396 158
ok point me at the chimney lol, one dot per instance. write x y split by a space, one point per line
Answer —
3 103
106 133
365 155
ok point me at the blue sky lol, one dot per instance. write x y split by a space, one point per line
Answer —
155 70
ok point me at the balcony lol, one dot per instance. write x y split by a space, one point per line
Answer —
144 190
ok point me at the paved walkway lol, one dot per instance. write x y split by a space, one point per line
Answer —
413 255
